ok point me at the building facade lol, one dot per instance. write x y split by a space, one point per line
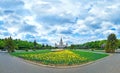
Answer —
61 45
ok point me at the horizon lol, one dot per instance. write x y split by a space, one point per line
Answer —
46 21
55 42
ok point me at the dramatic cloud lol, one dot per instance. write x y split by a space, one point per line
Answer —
77 21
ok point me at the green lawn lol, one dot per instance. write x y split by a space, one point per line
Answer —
21 52
91 55
65 57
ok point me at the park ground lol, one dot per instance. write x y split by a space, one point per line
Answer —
10 64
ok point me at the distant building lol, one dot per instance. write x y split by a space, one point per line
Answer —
61 45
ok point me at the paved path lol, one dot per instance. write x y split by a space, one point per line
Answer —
9 64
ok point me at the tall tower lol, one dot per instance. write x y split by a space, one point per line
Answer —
61 45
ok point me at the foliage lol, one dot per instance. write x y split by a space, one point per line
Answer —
65 57
23 45
99 45
2 44
118 43
35 43
111 44
9 44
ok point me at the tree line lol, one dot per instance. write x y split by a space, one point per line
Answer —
16 44
109 45
99 45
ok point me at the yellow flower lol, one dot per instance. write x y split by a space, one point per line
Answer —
61 57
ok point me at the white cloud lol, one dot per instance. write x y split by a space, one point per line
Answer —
47 21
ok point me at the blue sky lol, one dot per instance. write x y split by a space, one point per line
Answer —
77 21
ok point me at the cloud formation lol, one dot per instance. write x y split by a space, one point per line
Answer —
47 21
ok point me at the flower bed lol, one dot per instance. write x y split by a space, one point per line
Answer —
64 57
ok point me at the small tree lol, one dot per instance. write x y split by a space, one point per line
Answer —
111 44
9 44
2 45
72 46
43 46
35 45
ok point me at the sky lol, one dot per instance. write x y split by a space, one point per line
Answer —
46 21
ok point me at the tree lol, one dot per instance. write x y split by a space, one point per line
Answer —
43 46
9 44
72 46
2 44
35 44
111 44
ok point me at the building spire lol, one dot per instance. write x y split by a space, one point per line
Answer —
61 45
61 41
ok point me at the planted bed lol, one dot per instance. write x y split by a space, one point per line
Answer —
60 58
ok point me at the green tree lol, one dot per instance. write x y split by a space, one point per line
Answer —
9 44
43 46
119 43
72 46
35 44
2 44
111 44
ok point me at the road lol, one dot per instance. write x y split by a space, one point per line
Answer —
9 64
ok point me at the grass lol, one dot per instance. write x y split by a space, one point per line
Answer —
91 56
65 57
21 52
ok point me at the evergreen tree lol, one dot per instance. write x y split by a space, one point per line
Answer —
111 44
35 44
43 46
